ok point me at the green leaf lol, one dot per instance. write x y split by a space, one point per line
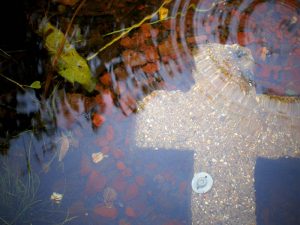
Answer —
35 85
70 64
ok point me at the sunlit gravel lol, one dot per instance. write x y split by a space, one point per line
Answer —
228 126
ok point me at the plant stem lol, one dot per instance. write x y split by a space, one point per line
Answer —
4 221
191 6
11 80
128 30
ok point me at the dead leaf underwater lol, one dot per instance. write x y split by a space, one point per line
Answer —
66 141
64 148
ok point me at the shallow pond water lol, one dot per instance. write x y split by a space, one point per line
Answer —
124 152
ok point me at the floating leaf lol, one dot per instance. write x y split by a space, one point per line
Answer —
70 64
35 85
163 13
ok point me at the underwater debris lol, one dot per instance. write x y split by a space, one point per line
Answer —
64 147
66 140
202 183
109 196
98 157
56 197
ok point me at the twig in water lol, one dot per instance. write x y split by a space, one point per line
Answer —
129 29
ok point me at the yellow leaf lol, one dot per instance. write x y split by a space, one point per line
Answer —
70 64
36 85
163 13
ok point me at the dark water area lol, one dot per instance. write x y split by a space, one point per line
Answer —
62 138
277 185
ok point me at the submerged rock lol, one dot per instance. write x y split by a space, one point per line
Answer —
96 182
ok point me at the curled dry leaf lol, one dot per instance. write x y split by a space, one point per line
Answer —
98 157
56 197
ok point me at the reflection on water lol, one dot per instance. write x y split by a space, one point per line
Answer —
270 29
76 146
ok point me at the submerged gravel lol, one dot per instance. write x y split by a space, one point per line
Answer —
227 126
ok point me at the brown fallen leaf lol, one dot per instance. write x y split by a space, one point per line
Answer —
66 141
64 147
